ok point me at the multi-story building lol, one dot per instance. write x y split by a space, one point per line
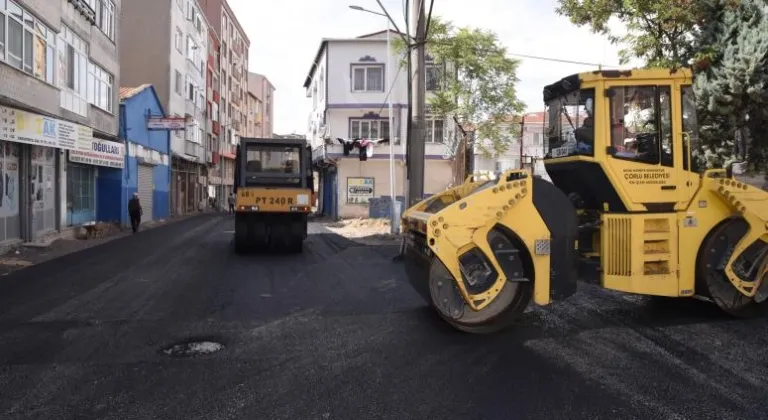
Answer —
533 125
165 43
233 60
220 179
263 92
348 87
58 109
252 129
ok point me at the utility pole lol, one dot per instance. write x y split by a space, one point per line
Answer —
416 136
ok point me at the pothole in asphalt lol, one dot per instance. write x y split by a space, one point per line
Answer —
191 348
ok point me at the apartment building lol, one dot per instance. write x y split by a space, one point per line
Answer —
263 91
164 43
533 125
58 108
348 86
233 61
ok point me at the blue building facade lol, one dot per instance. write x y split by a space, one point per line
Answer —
146 170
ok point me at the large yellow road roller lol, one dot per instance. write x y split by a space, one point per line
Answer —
274 191
629 208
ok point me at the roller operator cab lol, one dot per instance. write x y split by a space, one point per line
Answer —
273 193
629 208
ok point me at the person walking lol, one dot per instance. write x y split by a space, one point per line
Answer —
231 201
135 211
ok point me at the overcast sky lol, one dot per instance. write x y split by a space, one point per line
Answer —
285 35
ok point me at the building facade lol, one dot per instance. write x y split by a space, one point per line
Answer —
263 92
147 170
533 126
347 84
175 34
233 63
59 69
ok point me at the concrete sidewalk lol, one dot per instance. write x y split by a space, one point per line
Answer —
24 255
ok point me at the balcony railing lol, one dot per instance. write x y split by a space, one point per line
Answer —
194 149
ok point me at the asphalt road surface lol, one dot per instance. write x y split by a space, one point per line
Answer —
336 333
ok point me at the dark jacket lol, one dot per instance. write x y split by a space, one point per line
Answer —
134 207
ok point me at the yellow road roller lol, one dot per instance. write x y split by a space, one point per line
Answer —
274 191
629 208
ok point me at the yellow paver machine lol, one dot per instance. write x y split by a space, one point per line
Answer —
628 209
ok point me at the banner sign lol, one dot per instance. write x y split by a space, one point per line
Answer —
359 190
167 123
99 153
26 127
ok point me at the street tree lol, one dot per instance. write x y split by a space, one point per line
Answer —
661 32
732 72
477 84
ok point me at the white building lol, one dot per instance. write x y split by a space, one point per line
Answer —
533 149
347 83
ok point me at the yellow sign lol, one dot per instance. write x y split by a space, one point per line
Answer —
272 199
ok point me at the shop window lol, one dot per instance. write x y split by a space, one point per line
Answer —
81 194
10 223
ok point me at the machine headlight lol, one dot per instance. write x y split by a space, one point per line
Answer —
477 272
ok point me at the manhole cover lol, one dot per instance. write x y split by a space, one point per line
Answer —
193 348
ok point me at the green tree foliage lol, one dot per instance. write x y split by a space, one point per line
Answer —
732 72
658 31
477 86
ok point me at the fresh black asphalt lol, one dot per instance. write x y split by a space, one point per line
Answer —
336 333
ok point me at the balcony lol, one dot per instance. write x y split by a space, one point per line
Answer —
215 127
194 149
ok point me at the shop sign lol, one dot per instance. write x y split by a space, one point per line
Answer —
359 190
26 127
167 123
99 153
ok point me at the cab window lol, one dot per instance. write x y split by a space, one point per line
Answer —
570 128
691 128
641 124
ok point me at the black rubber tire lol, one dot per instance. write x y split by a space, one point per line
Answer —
715 283
506 317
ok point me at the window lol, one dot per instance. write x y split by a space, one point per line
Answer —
691 127
178 41
178 84
191 48
367 78
30 44
272 159
81 194
105 18
570 128
433 77
368 129
99 87
93 4
641 124
434 130
73 62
